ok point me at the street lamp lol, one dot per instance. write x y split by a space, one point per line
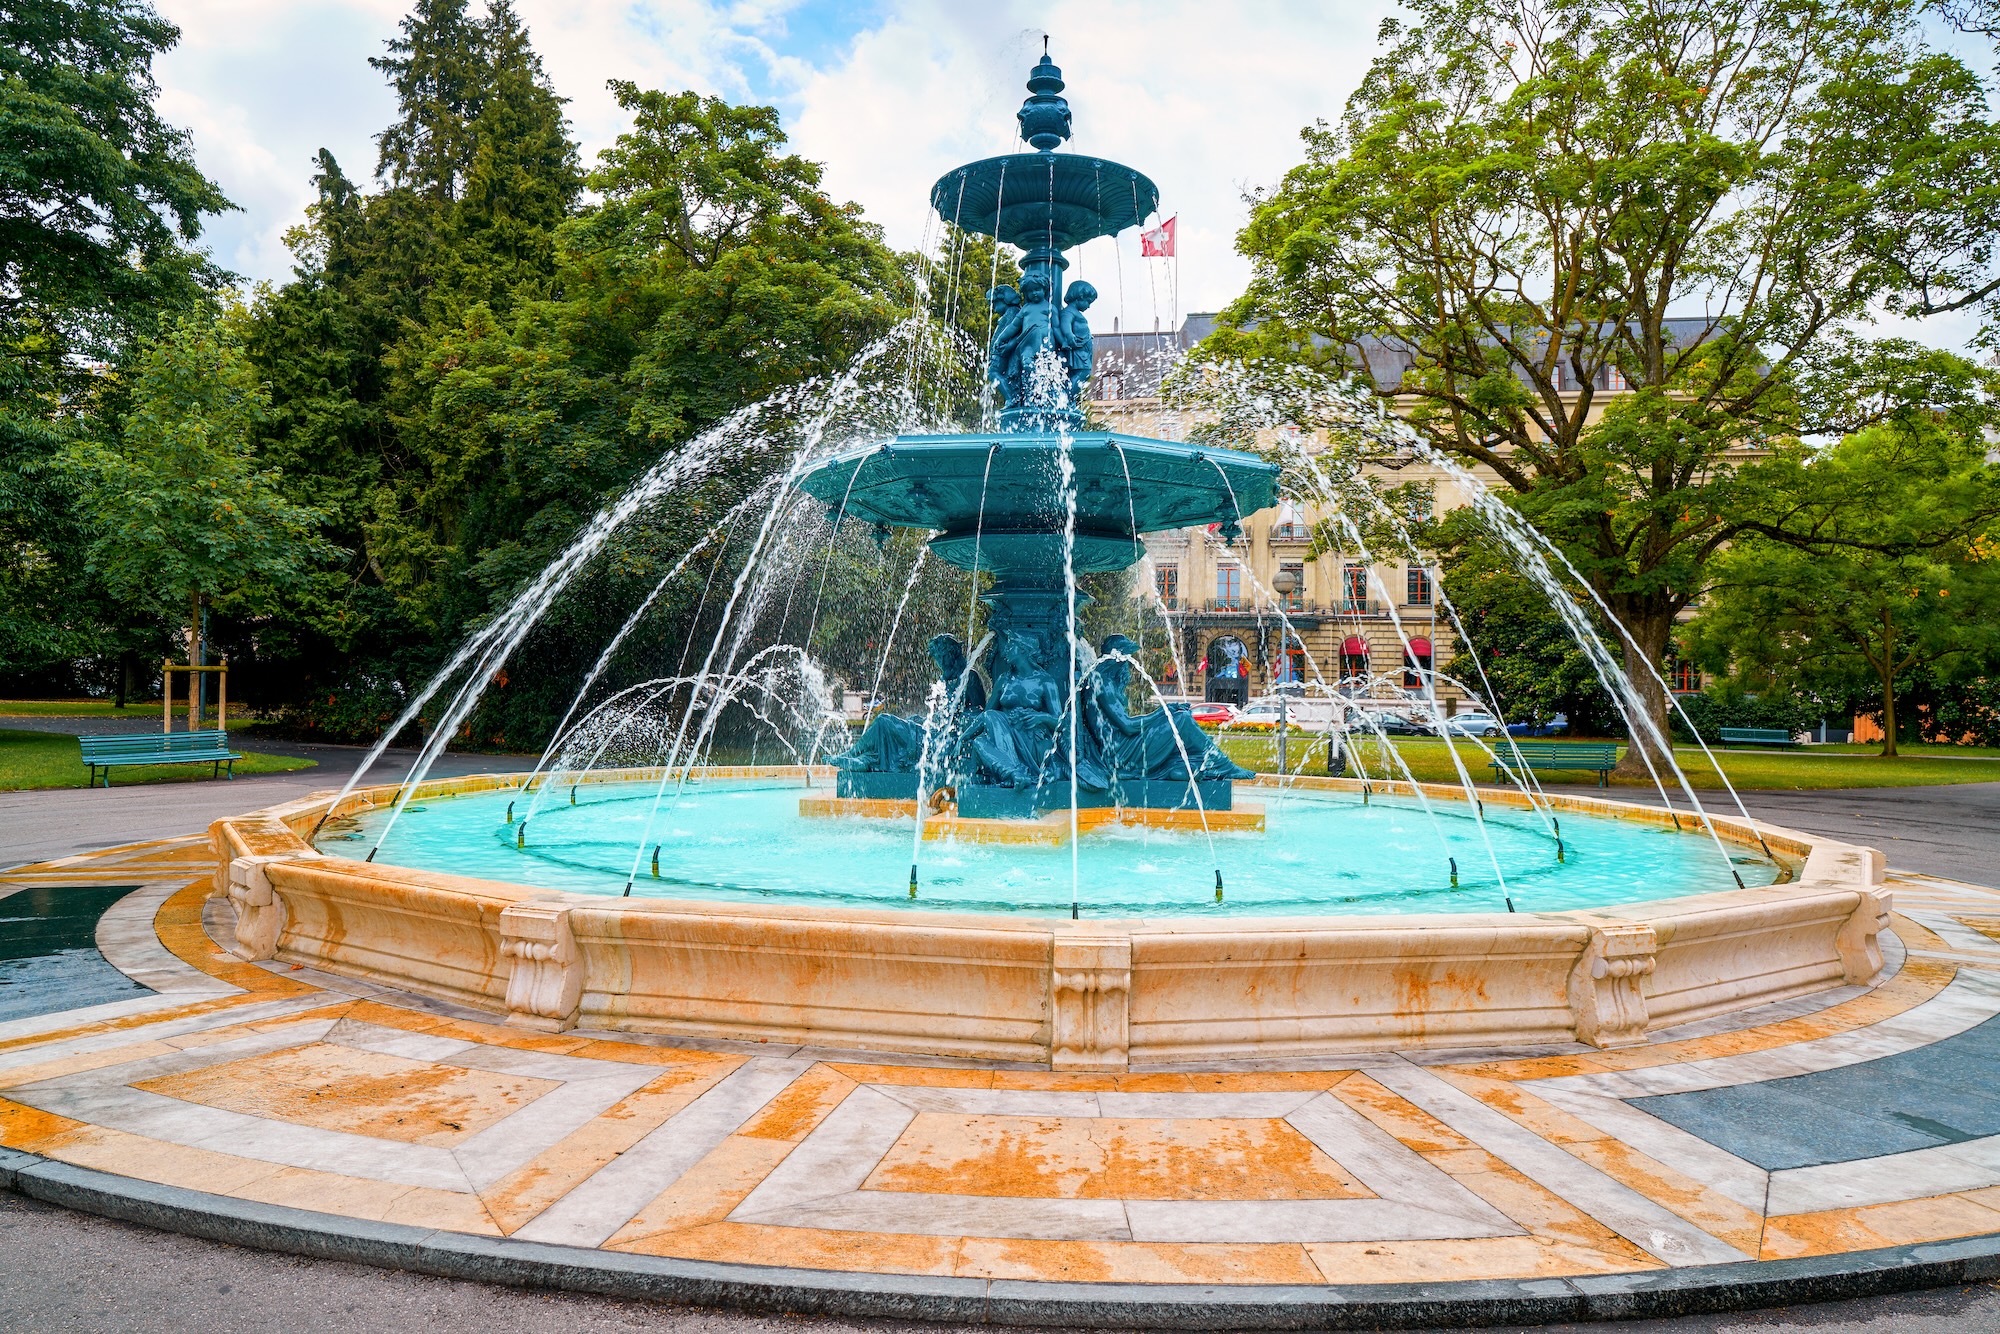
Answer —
1287 583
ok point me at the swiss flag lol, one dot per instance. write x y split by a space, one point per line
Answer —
1158 243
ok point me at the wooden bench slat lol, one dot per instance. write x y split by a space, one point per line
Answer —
1600 757
107 751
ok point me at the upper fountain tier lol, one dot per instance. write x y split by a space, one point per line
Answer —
1044 202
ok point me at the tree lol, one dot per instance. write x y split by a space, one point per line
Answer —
1533 662
180 512
1903 575
1520 200
99 201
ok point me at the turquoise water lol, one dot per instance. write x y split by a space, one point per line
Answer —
1319 853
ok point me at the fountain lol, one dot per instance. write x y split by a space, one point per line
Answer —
1089 884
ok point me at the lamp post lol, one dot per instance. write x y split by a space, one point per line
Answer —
1287 583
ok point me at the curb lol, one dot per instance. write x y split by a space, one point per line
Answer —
769 1288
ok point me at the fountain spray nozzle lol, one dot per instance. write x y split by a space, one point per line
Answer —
656 861
371 857
510 812
521 834
1218 884
913 879
1454 871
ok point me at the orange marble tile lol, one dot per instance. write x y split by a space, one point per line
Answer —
1708 1209
1915 935
128 1022
797 1111
638 1053
124 1154
324 1192
706 1192
179 927
423 1207
915 1076
534 1186
1551 1123
359 1092
1110 1158
1410 1124
25 1128
807 1248
1541 1212
1134 1261
1832 1231
80 1062
1444 1261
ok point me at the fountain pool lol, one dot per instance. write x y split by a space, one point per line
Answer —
747 841
1097 883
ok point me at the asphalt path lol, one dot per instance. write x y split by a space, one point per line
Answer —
49 823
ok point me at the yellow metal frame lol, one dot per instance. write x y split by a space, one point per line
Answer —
221 701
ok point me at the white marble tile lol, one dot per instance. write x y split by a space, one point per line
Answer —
991 1102
607 1199
1201 1106
126 939
1652 1227
400 1042
1667 1144
958 1216
1384 1164
834 1159
1937 1170
1304 1221
514 1140
224 1017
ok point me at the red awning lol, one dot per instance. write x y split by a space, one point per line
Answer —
1421 647
1355 647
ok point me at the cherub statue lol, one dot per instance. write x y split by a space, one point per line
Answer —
1073 336
1006 304
1036 333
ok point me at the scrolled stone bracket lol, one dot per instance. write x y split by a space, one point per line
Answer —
1859 941
1090 993
545 983
260 911
1607 986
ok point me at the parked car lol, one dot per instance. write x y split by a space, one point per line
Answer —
1313 712
1557 725
1366 721
1213 713
1475 724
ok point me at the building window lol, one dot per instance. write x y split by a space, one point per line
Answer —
1353 659
1416 664
1296 599
1354 588
1167 583
1614 380
1228 586
1683 675
1290 527
1419 580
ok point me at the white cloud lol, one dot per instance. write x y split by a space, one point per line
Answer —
1205 100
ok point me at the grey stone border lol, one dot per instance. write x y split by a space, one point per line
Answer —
1649 1294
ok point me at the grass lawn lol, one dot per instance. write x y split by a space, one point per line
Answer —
1430 763
49 759
84 708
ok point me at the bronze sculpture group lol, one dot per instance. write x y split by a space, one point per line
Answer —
1037 346
1019 735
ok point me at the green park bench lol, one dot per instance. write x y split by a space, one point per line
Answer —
1598 756
1755 736
107 752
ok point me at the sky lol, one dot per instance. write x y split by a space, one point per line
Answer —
1207 99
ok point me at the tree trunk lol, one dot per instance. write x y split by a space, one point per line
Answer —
125 674
1644 653
1887 674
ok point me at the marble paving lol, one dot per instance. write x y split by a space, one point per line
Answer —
1860 1118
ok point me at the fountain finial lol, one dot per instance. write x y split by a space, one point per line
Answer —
1044 117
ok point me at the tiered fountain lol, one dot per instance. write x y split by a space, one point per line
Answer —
773 905
1035 504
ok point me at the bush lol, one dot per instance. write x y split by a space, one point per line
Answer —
1729 705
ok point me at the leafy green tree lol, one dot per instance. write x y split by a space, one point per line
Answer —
99 201
1902 574
1533 663
1521 198
180 511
